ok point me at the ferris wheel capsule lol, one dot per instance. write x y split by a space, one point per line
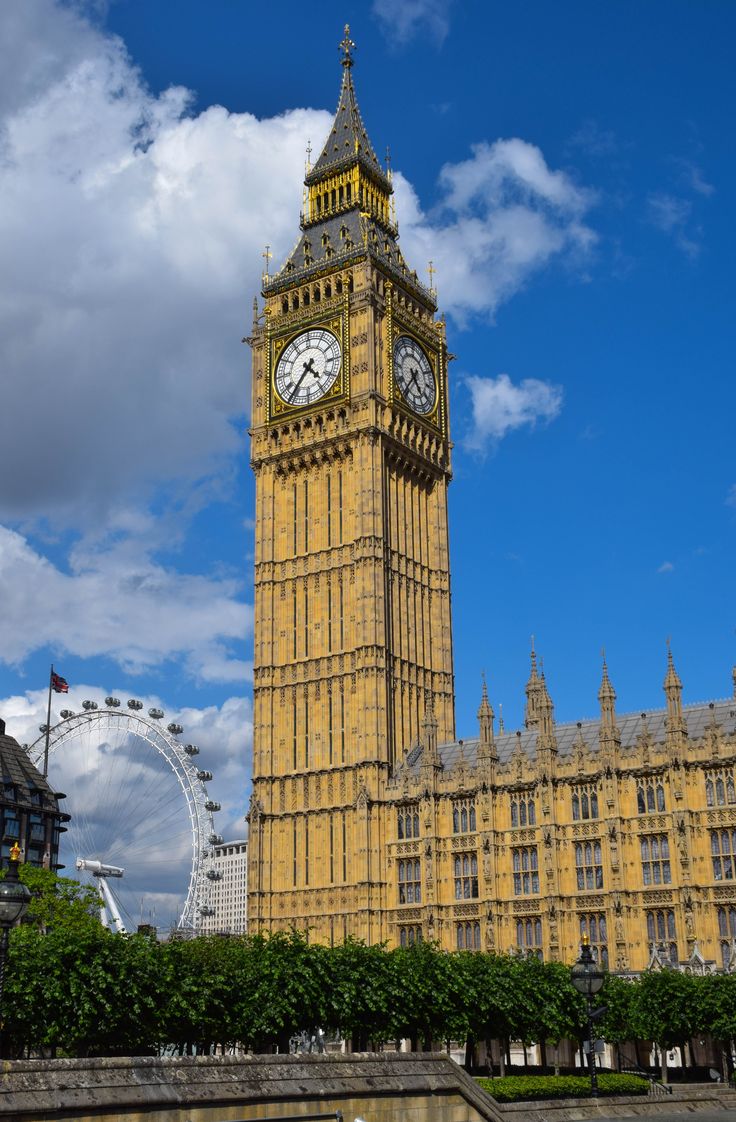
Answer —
215 839
112 702
156 714
135 705
191 749
205 776
66 714
89 705
212 806
214 874
174 729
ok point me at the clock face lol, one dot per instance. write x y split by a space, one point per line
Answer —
414 375
308 367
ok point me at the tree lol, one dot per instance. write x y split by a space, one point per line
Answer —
716 1012
59 901
665 1010
360 1002
427 997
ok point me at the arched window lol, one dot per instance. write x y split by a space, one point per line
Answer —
650 797
463 821
720 791
456 821
400 821
522 813
416 825
594 805
472 818
531 813
514 813
709 800
640 804
730 791
575 807
660 797
584 805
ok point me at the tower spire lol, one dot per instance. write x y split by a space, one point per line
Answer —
531 712
609 736
347 46
487 747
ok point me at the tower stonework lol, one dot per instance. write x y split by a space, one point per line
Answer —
368 818
351 455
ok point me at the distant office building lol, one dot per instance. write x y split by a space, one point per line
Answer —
29 808
229 890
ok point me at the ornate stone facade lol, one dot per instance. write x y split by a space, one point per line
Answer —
367 817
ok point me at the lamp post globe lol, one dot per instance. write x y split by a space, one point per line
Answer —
587 978
14 900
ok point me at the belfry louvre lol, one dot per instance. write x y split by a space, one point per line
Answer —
368 817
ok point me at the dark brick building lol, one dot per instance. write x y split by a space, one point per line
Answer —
29 808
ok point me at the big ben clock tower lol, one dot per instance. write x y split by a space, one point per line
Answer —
351 454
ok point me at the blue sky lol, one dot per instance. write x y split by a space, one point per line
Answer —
570 170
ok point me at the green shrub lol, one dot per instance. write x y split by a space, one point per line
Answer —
522 1088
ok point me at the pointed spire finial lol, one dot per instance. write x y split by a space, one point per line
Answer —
347 46
500 717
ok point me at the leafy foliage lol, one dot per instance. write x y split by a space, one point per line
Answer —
524 1088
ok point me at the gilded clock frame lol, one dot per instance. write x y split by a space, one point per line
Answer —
335 321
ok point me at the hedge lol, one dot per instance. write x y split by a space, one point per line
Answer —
522 1088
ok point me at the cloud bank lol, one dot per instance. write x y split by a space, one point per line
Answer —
500 406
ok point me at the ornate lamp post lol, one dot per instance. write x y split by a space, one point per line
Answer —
14 900
587 979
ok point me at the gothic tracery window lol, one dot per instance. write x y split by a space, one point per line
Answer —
526 870
655 859
720 789
523 809
467 936
529 935
584 803
650 797
410 882
661 932
596 928
723 849
410 936
407 822
465 868
463 817
589 865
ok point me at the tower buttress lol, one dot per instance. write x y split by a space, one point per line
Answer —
487 751
546 736
531 711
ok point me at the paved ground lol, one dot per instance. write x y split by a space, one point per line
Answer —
679 1116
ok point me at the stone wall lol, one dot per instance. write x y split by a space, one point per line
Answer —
413 1087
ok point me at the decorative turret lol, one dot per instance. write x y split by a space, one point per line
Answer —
531 712
676 724
487 751
609 734
431 763
546 736
485 722
733 679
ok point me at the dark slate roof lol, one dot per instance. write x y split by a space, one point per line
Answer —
362 236
631 725
16 768
348 139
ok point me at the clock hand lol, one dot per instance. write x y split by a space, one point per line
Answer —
308 369
414 375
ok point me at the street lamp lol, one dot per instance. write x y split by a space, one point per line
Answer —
14 900
587 979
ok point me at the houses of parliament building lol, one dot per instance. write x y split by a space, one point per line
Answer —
368 817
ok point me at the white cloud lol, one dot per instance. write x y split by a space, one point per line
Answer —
504 215
401 22
131 235
666 567
500 406
126 804
731 496
116 601
672 214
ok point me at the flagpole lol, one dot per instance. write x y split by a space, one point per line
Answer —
48 726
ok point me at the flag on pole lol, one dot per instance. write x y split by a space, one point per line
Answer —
59 684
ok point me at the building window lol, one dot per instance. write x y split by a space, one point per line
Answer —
466 876
523 810
410 936
467 936
589 865
410 882
719 789
650 797
722 848
463 818
526 871
726 932
529 936
408 822
584 803
661 933
655 860
594 926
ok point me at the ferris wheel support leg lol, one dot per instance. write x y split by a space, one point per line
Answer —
116 922
104 918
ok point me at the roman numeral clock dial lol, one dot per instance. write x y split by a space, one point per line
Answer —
414 375
308 367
